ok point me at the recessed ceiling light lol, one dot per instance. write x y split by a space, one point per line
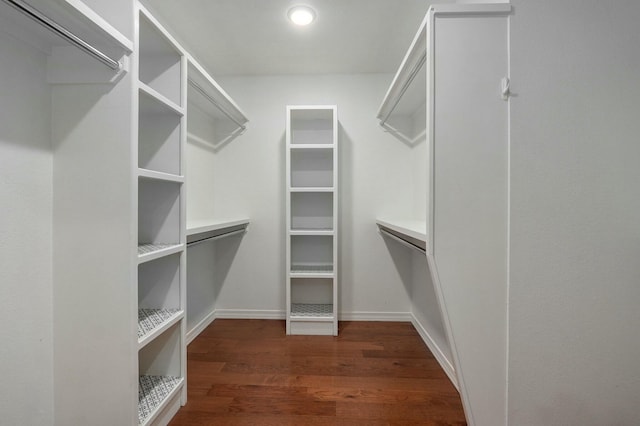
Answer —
301 15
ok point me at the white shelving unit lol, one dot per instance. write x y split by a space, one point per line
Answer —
312 220
161 254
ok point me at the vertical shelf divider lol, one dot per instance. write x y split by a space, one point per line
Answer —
161 66
312 220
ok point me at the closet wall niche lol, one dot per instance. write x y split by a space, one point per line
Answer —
214 121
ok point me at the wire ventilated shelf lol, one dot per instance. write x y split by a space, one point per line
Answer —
300 268
151 319
152 392
150 248
312 310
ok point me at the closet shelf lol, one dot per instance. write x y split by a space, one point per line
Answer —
328 232
200 227
312 146
211 98
312 189
311 271
411 232
153 102
153 322
154 393
199 232
148 252
76 17
311 311
161 176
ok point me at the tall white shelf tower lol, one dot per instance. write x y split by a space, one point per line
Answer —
312 220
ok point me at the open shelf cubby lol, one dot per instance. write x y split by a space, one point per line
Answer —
160 61
312 126
312 308
312 254
158 214
312 168
160 379
159 304
159 136
311 211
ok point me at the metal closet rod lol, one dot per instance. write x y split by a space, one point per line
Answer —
217 237
213 101
401 241
62 32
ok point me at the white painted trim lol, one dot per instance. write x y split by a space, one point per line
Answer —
442 359
342 316
375 316
250 314
199 328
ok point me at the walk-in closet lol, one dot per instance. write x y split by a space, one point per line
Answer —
319 212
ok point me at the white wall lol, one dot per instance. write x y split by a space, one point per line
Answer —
250 181
26 395
575 202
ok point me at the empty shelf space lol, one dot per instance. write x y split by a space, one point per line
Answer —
154 392
147 252
153 102
312 310
153 321
159 59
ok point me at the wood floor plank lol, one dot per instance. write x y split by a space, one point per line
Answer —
248 372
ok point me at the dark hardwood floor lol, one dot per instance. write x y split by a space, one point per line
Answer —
248 372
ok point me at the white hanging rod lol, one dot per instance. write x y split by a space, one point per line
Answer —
216 237
62 32
401 241
214 102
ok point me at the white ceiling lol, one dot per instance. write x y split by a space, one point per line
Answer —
254 37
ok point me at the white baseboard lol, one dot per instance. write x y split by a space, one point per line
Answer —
445 363
375 316
345 316
199 328
250 314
